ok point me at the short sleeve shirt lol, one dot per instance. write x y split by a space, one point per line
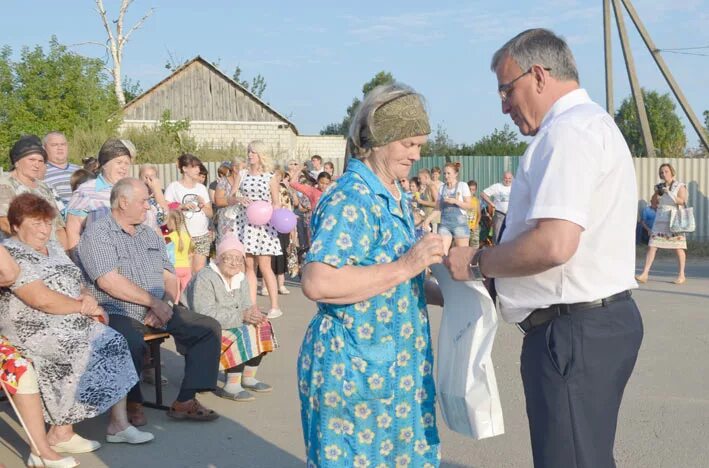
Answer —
197 222
500 195
11 187
91 200
141 258
59 178
577 168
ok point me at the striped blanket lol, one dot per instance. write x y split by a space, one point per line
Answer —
246 342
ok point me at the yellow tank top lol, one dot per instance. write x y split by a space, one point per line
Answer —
182 256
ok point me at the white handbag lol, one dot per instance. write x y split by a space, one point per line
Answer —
466 384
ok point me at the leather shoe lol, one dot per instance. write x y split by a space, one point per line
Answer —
136 415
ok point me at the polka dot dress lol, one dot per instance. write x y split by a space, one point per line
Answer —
257 240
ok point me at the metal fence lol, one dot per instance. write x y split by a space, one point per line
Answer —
694 172
487 170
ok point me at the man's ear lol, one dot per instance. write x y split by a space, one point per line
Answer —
540 77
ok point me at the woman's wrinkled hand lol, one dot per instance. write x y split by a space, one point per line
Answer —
254 316
425 252
89 304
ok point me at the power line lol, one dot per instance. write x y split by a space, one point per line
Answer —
682 53
684 48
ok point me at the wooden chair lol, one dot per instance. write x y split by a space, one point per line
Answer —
154 340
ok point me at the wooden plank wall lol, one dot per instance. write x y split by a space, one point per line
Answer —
197 93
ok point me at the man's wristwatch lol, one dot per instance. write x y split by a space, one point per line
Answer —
474 267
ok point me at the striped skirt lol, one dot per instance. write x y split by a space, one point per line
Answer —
246 342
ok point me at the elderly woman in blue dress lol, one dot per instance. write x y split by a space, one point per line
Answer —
365 366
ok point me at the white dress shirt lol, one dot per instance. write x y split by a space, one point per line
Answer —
578 168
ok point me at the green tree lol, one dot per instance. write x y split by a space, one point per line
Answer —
257 85
131 89
706 120
342 128
503 142
51 90
439 144
665 126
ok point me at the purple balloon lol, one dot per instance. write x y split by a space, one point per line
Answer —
259 212
283 220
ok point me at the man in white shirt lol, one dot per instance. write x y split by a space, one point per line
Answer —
59 169
564 266
499 195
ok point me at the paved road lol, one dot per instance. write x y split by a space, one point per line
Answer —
664 420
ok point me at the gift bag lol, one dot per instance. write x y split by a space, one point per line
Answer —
682 220
466 384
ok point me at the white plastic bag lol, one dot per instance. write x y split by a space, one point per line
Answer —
466 384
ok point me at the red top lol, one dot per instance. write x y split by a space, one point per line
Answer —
313 193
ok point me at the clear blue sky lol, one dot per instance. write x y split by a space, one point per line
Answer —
315 55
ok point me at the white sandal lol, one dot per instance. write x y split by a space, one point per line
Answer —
131 435
35 461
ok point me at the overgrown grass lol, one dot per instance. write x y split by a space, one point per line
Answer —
159 144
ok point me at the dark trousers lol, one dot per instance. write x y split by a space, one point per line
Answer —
198 337
574 371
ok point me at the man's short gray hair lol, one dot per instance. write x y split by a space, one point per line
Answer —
52 133
123 188
539 47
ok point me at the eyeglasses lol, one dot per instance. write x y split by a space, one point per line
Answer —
233 260
505 89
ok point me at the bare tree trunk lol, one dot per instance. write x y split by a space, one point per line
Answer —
117 41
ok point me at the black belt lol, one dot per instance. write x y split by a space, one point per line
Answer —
542 316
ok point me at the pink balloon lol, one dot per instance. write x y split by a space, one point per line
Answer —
283 220
259 212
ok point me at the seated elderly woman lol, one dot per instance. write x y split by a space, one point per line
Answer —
83 367
220 291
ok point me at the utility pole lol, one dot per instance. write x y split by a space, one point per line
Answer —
664 69
634 84
608 56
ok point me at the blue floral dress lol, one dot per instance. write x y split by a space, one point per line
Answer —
367 394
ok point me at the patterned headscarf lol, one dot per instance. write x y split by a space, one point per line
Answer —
395 120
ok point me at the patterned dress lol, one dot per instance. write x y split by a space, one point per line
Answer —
365 370
257 240
662 237
83 367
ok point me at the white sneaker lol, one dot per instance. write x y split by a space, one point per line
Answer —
274 313
263 291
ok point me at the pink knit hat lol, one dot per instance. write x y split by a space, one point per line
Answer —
230 242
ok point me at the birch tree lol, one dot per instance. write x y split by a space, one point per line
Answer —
117 40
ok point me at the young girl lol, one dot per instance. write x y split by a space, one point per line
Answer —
182 242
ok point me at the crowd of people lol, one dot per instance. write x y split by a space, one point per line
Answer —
93 259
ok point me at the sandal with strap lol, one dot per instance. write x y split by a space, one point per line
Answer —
192 410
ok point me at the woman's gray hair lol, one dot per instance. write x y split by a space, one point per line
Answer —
363 120
539 47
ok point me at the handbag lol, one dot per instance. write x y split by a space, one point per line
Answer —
682 220
465 377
